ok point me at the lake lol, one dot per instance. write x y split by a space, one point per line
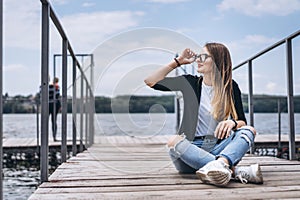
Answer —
20 183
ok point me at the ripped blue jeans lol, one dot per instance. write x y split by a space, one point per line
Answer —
189 156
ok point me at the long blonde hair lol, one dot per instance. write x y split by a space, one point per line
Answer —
222 102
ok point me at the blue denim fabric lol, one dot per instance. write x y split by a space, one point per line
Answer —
188 156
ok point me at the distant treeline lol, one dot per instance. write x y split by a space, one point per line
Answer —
145 104
269 104
135 104
19 104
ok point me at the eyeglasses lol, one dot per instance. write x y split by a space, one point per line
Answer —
202 57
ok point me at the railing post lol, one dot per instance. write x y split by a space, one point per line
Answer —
92 102
64 101
250 97
47 14
91 117
81 112
290 99
37 125
74 111
1 98
86 109
54 96
44 92
279 123
177 102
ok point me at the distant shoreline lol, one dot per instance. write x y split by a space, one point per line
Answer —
146 104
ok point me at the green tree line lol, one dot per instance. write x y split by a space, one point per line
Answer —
269 104
135 104
144 104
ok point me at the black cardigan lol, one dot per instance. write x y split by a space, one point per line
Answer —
190 86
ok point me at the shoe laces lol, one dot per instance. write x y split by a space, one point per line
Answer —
243 176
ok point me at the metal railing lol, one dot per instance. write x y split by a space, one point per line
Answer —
83 101
279 100
84 104
290 92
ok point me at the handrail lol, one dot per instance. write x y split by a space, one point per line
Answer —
290 93
62 33
48 13
292 36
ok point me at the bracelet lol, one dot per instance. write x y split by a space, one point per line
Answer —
235 124
178 64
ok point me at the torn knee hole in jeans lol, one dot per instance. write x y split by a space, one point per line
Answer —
246 137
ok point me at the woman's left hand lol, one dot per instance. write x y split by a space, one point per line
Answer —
224 128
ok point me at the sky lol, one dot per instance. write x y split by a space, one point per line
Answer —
131 38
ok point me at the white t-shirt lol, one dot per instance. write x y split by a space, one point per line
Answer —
206 124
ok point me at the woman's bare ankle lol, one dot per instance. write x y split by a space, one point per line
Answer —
224 160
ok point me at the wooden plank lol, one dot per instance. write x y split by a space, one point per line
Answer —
128 169
119 140
27 142
158 181
170 189
274 138
145 188
217 193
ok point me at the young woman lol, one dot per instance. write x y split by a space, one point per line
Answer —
213 136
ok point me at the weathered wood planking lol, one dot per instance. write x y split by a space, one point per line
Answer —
162 139
28 142
271 141
133 168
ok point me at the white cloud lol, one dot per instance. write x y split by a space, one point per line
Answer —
167 1
249 45
297 88
14 68
131 50
88 4
250 42
87 30
271 87
59 2
22 24
258 40
243 49
261 7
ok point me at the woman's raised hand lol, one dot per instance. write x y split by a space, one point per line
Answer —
186 57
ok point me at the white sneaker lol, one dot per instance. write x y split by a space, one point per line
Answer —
215 172
249 174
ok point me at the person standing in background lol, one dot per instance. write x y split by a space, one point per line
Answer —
54 105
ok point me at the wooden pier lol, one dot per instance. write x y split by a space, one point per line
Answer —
27 142
140 168
30 145
25 152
